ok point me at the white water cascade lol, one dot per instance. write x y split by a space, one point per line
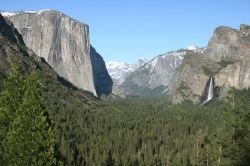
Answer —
210 93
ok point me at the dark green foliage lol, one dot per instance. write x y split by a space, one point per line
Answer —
109 161
229 143
137 132
30 140
152 132
10 101
238 127
27 135
127 132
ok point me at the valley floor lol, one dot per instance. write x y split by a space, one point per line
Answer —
154 132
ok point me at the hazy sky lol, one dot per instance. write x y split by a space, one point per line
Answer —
126 30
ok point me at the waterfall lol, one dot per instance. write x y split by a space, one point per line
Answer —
210 93
210 90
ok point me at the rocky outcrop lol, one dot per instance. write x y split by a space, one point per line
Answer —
117 92
190 79
234 75
226 59
229 44
64 43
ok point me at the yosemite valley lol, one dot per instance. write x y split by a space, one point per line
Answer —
62 104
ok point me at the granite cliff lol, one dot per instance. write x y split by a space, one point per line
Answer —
226 59
102 80
64 43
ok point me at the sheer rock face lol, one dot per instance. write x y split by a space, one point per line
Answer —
190 79
235 75
229 44
237 50
227 59
62 41
102 80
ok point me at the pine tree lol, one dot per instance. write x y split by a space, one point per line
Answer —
30 140
10 100
234 114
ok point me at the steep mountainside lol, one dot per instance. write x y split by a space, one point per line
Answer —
64 43
62 99
154 77
102 80
226 60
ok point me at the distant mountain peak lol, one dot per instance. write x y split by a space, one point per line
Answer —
192 47
120 70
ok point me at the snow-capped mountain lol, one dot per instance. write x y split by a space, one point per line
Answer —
119 71
149 77
154 77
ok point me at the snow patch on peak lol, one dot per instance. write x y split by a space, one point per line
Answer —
9 14
196 49
192 47
115 64
154 62
119 71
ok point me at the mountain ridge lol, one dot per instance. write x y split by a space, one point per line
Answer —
185 78
154 76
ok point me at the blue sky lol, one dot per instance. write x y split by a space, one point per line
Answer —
126 30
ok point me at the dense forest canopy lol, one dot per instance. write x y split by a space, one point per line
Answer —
124 132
